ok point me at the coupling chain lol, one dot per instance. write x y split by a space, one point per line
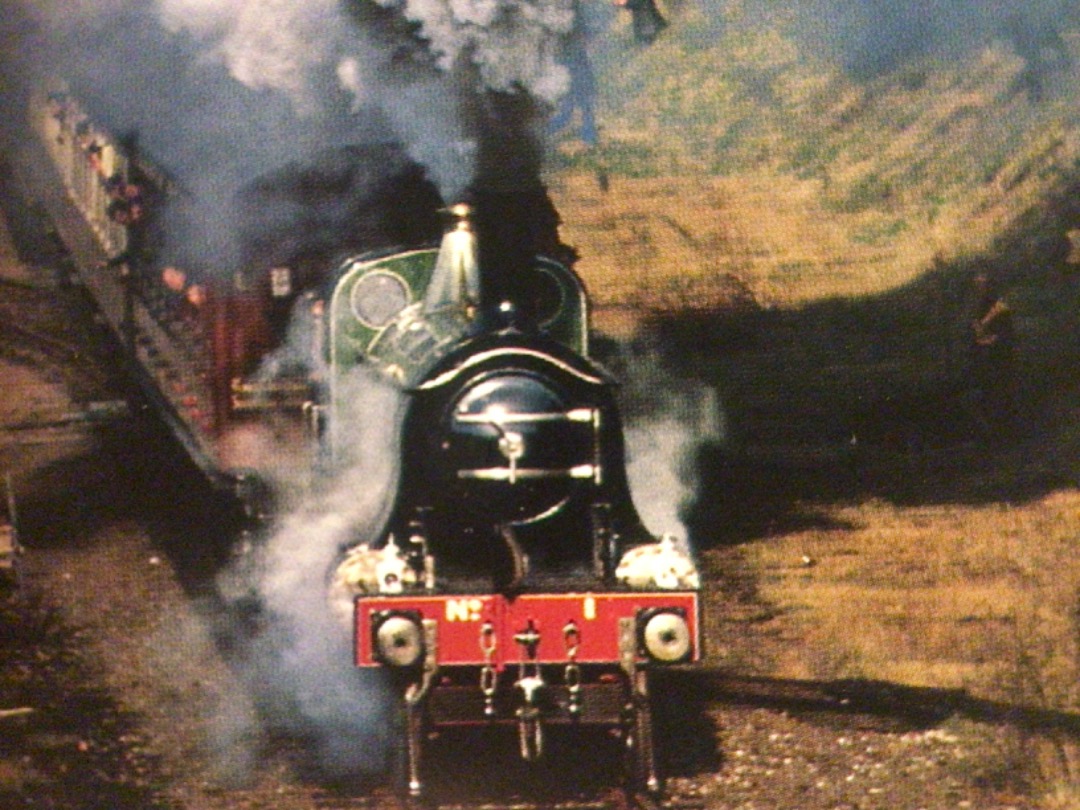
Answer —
572 673
487 671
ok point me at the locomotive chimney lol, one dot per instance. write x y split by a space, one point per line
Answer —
455 282
512 228
487 252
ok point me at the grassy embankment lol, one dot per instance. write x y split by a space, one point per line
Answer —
739 174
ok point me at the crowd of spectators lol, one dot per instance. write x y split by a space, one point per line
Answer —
125 200
129 206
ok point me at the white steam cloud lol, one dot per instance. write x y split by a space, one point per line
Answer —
296 48
658 471
667 420
222 92
515 45
661 454
301 661
277 45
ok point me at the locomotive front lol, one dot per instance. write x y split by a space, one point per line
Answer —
513 582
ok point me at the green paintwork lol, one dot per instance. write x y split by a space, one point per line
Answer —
407 342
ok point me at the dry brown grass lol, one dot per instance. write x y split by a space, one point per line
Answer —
697 242
700 242
983 598
933 596
874 188
852 189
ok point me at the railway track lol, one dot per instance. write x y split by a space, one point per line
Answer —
779 743
13 285
42 326
53 348
79 368
611 799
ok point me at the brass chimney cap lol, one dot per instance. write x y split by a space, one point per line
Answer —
459 211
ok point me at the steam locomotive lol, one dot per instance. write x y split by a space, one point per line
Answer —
508 580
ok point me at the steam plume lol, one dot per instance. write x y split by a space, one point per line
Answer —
300 662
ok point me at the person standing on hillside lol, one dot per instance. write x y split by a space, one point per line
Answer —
992 355
646 18
582 92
